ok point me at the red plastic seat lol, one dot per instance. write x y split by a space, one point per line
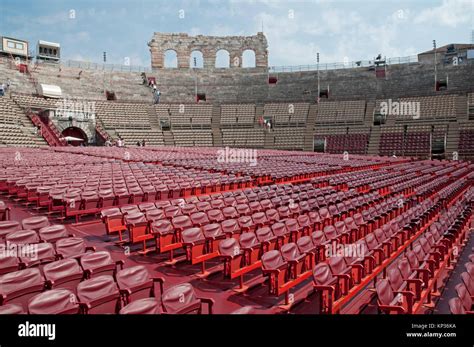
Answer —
136 283
456 306
259 219
9 263
213 234
99 263
388 302
12 309
44 253
245 224
142 306
65 273
113 220
4 211
294 258
72 247
275 267
35 223
272 215
57 301
19 286
181 299
215 216
23 237
230 212
7 227
199 219
266 237
99 295
230 227
328 286
53 233
138 230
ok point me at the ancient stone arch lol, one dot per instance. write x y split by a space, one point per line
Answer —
184 44
88 127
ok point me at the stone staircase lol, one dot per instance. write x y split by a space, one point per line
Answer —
216 125
369 113
374 141
461 107
269 141
168 138
310 125
452 140
153 118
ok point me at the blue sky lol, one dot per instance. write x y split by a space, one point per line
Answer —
338 29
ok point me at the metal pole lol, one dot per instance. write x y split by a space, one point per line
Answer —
435 63
317 59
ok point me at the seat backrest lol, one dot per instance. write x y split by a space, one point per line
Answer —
248 240
182 222
35 223
229 247
229 226
192 235
96 260
330 232
318 237
133 277
180 299
12 309
133 218
405 268
337 264
55 301
322 274
279 229
53 233
97 288
384 292
456 306
291 225
16 283
23 237
305 244
464 296
272 260
290 251
468 282
212 230
62 269
142 306
70 247
162 227
395 278
264 234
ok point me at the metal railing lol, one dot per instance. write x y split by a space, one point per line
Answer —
272 69
344 65
104 67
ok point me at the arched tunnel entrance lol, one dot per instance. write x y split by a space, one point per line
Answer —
75 136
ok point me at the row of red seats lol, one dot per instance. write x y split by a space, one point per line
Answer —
410 284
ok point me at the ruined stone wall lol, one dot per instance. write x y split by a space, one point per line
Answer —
184 45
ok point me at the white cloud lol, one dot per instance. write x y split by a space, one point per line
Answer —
450 13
